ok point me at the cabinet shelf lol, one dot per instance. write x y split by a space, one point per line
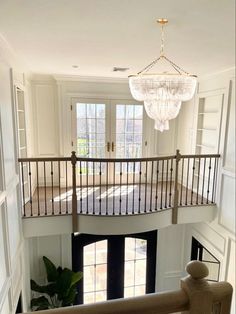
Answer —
206 112
207 129
205 145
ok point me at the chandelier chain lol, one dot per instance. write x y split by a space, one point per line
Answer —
150 65
177 68
175 65
162 40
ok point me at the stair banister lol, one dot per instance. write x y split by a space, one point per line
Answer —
196 296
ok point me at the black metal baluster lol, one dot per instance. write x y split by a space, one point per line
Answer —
157 174
208 185
52 185
113 188
186 196
192 181
107 178
127 189
215 180
93 187
203 182
133 187
198 178
81 186
100 190
30 186
23 187
59 178
45 188
120 188
66 188
167 170
150 207
87 189
140 182
145 196
171 174
162 179
182 178
37 178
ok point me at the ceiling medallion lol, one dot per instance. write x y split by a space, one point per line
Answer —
162 93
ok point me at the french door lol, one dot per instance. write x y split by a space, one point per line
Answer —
106 129
114 266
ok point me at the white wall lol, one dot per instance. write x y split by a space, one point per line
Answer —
219 236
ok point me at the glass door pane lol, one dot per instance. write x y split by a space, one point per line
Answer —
95 272
129 131
91 133
135 267
127 136
90 128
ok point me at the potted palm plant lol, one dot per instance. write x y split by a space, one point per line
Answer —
60 289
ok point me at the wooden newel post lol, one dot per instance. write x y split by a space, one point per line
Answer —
197 288
176 191
74 194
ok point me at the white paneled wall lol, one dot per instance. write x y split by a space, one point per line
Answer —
170 249
56 248
45 110
219 236
11 241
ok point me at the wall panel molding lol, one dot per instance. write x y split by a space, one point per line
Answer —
210 238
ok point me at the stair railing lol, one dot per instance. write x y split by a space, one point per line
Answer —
196 296
111 187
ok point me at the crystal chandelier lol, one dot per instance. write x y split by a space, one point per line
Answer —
162 93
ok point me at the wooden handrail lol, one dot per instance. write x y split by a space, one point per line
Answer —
196 296
35 159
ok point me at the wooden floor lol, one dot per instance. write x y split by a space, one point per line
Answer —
111 200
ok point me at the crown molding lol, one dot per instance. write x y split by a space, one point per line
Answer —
92 79
230 70
9 56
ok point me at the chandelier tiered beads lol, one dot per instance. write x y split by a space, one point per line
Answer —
162 93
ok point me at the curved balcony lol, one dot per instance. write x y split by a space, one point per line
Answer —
119 188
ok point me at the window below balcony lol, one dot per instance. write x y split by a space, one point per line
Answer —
200 253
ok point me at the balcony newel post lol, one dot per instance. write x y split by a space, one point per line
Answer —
176 190
197 288
74 194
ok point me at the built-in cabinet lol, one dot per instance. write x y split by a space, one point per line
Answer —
21 123
209 121
20 110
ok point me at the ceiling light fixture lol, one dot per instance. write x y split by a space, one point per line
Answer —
162 93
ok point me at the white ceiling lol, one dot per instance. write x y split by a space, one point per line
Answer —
52 35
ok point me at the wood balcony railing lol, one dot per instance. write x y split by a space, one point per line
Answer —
196 296
91 186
